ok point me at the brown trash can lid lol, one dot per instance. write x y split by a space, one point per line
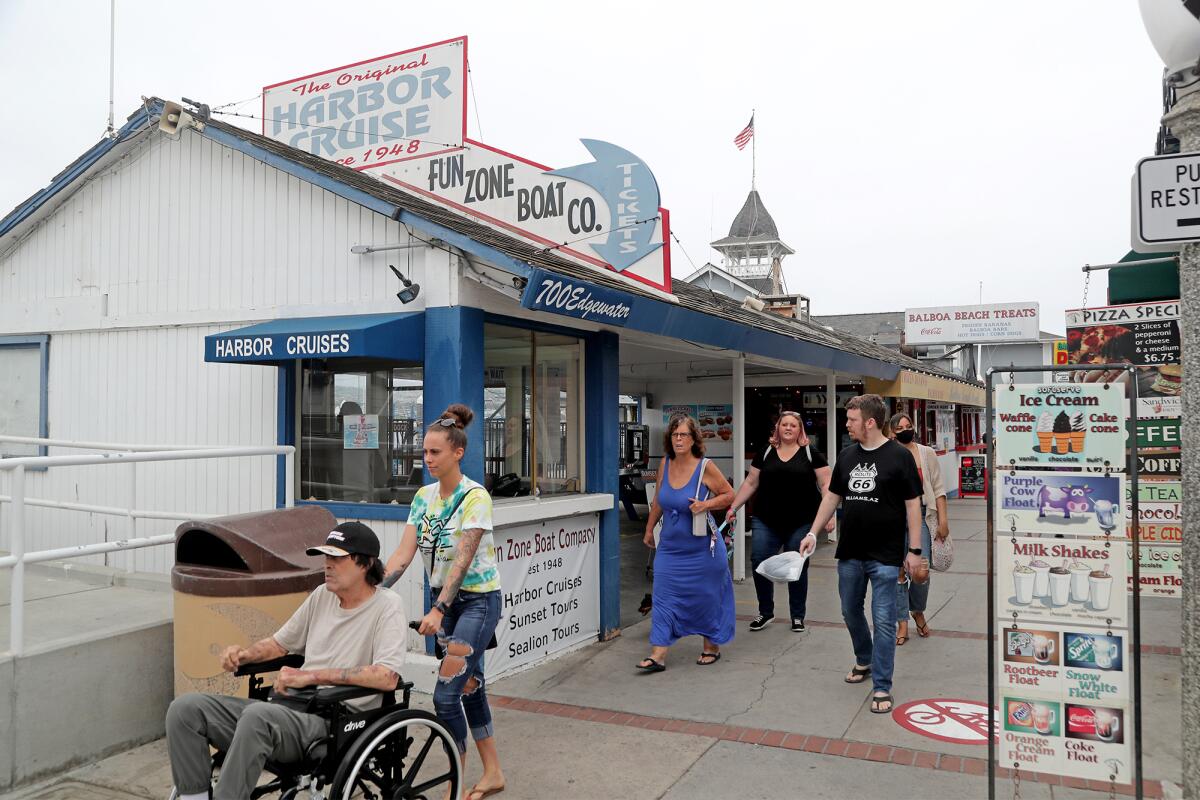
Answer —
247 555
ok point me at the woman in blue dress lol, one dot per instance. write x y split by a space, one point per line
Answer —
693 590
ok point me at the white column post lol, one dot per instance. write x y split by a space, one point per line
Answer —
16 631
289 479
131 563
739 461
831 426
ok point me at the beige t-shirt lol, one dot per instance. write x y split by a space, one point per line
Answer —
330 637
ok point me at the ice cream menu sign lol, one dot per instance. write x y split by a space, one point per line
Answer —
1061 425
1061 581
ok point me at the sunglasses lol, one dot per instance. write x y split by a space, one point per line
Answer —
446 423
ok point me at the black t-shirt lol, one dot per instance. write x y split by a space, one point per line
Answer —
874 485
787 495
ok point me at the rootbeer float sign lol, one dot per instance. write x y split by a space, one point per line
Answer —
375 112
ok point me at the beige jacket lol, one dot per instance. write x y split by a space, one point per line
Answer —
932 484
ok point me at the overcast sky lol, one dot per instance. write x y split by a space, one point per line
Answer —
907 151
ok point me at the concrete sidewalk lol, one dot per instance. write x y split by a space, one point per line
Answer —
772 719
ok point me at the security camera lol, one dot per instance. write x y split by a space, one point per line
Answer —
410 290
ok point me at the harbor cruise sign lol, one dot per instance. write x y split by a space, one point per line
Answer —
402 118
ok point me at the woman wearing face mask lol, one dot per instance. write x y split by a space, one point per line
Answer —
789 478
911 595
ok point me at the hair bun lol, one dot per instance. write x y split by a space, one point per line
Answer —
460 413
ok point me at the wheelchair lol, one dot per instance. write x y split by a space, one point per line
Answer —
388 753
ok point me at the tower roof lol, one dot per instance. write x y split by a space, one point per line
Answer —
753 220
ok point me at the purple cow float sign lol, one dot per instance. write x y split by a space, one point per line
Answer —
1074 504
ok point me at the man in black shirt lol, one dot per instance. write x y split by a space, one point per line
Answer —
877 482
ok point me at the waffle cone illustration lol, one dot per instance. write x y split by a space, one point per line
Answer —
1045 441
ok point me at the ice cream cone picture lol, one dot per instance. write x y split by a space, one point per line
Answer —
1045 432
1062 433
1077 433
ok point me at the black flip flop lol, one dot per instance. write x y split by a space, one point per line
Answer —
713 658
653 666
859 675
876 700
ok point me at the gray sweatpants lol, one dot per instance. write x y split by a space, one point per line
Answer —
249 731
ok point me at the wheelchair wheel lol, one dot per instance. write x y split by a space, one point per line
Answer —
408 755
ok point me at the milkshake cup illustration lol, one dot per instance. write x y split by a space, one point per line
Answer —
1043 649
1043 719
1077 433
1079 581
1062 433
1108 724
1106 514
1101 589
1060 586
1041 582
1105 653
1023 580
1045 432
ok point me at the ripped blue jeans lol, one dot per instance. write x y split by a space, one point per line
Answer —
460 698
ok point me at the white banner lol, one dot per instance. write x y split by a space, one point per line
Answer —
986 324
375 112
550 581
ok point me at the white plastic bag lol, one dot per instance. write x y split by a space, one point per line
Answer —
783 568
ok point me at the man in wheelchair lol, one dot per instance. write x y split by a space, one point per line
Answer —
351 634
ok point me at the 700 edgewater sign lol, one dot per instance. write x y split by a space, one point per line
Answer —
558 295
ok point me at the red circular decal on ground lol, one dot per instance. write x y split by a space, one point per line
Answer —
947 720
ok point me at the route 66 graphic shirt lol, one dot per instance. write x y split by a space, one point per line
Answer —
874 485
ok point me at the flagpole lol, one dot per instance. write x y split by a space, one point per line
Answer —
753 152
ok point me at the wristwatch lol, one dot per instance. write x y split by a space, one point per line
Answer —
916 551
441 606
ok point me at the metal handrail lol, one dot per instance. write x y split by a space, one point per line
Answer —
78 445
131 455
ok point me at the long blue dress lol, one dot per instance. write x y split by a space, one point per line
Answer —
693 590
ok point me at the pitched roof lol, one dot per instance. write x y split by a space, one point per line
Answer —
753 219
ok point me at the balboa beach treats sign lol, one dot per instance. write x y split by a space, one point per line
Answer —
1076 425
986 324
1053 502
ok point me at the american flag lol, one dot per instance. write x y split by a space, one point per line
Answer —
743 138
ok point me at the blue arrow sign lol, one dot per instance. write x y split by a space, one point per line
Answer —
628 187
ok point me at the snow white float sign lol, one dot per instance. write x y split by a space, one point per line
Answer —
1061 425
1074 504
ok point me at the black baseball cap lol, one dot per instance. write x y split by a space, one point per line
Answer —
348 538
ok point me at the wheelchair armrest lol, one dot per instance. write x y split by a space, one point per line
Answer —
331 695
295 660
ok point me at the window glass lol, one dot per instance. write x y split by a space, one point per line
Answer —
533 402
359 427
20 397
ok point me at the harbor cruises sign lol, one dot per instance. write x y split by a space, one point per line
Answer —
401 118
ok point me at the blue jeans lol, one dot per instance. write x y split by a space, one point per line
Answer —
765 543
471 621
911 595
880 651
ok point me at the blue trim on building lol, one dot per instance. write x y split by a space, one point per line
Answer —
42 342
601 413
285 420
383 511
454 374
73 171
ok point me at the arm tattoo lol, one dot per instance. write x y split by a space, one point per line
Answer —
462 562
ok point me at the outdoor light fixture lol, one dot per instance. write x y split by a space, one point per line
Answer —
1174 31
364 249
410 290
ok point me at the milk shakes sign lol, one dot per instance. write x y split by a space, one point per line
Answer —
376 112
987 324
1076 425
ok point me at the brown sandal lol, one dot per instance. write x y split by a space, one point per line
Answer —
901 633
922 624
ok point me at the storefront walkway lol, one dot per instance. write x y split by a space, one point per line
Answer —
772 719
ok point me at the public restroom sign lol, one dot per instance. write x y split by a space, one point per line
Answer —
1168 199
1065 425
376 112
1074 504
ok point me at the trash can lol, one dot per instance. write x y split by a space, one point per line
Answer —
237 579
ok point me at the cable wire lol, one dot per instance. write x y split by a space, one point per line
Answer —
599 233
474 100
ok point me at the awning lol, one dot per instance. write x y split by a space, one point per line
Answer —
400 337
921 386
